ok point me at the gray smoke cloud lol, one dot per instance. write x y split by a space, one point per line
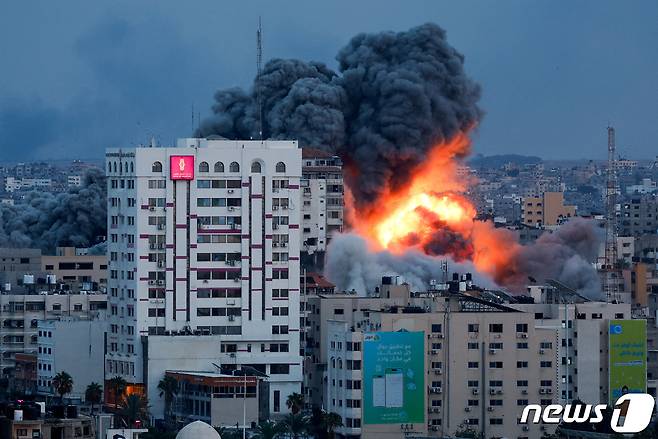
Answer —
44 220
565 255
395 97
352 266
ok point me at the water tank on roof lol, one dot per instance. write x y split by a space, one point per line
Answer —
28 279
18 415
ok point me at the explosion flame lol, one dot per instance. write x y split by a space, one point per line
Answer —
431 214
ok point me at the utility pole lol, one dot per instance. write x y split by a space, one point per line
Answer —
611 271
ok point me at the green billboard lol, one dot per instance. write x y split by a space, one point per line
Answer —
627 347
393 377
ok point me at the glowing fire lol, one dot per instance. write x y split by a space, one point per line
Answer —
431 215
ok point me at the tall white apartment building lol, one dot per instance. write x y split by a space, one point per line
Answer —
204 241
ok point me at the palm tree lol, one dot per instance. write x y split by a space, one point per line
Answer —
118 385
134 408
268 430
168 387
63 384
295 402
94 395
295 425
331 421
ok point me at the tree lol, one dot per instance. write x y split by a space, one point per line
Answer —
268 430
168 387
295 402
331 421
134 408
63 384
229 433
94 395
295 425
118 385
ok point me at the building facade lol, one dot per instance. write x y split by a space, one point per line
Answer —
215 257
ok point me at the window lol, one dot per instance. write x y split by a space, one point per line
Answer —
156 167
546 364
496 421
521 364
473 327
521 327
277 400
473 345
522 383
234 167
436 328
280 167
256 167
219 167
522 345
473 365
279 369
496 364
473 383
204 167
496 402
496 328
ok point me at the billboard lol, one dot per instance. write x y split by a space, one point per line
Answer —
181 167
394 377
627 347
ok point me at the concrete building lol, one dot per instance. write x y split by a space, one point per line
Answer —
215 259
15 263
76 268
547 210
322 175
79 427
639 216
74 346
481 361
220 399
20 315
581 328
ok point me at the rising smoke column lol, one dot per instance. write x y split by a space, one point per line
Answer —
399 113
44 220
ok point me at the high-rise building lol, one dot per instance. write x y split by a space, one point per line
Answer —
202 264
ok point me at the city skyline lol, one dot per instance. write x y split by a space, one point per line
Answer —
88 83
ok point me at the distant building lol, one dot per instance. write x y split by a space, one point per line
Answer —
20 315
74 180
547 210
74 346
639 215
76 268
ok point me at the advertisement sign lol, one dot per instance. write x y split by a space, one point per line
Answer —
628 357
393 377
182 167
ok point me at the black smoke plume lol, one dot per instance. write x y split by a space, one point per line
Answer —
44 220
395 97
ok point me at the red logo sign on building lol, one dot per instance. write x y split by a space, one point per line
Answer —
182 167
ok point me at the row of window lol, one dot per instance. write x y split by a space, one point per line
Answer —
256 167
499 364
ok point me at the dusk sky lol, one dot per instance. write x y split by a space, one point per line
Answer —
79 76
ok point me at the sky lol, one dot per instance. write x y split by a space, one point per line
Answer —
77 77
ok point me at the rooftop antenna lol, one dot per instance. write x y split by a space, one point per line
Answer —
192 117
259 69
611 271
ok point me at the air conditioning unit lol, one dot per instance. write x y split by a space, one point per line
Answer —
490 409
541 351
438 371
492 391
497 335
467 409
230 191
434 352
542 391
499 392
492 351
151 208
160 282
524 392
275 244
231 208
275 207
525 428
475 391
549 391
151 282
435 410
524 335
284 207
435 390
161 264
231 318
284 244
